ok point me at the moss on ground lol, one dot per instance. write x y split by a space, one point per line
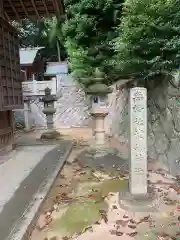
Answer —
79 215
114 185
85 210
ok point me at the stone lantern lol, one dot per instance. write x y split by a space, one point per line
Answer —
49 110
99 111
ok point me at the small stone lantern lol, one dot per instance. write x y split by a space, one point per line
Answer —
49 110
99 92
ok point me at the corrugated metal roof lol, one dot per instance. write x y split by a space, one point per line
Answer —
27 55
55 68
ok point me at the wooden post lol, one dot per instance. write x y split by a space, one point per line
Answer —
26 115
1 9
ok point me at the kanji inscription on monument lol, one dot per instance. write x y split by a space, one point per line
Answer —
138 141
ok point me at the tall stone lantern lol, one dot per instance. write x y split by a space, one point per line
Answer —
49 110
99 96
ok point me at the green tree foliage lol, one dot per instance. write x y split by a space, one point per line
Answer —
149 41
44 32
88 30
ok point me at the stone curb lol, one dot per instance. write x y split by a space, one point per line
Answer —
36 142
23 230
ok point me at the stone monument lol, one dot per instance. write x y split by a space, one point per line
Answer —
138 141
49 110
137 198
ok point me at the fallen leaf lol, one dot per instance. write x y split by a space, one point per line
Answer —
98 223
132 221
48 213
65 238
94 190
119 234
121 178
176 188
122 223
63 195
165 193
48 221
132 226
55 206
83 230
133 234
53 238
113 232
87 228
145 219
63 185
114 206
47 217
164 214
103 215
62 176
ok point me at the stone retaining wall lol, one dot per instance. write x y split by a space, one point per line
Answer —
72 106
163 123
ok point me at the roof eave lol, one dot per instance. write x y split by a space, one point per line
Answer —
20 9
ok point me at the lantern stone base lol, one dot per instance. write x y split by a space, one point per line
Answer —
50 134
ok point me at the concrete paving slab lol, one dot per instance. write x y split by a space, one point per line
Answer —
25 180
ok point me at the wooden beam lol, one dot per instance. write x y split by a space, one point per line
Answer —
45 6
14 9
24 8
7 17
34 6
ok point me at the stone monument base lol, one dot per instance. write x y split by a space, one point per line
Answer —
141 203
50 134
